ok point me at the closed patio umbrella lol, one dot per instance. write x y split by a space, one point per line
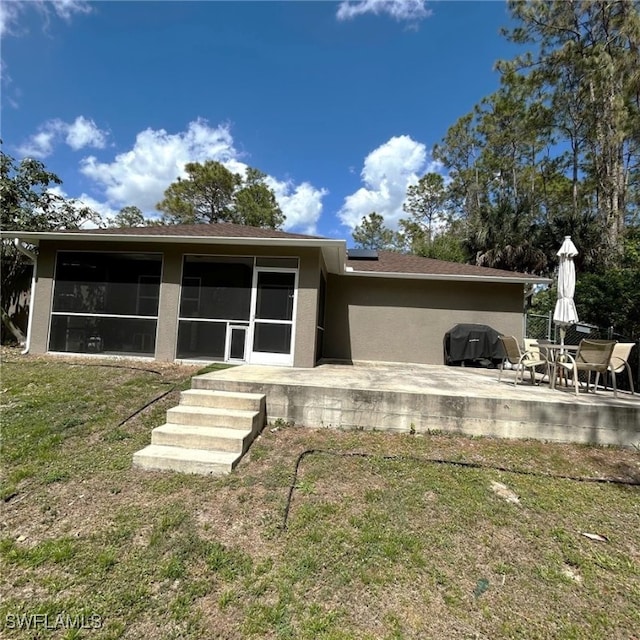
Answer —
565 313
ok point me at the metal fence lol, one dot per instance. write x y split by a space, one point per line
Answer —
542 327
538 326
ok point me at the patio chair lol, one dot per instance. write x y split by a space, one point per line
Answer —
531 345
619 362
521 360
537 349
592 355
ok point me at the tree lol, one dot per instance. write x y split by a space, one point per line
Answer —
255 203
28 203
130 216
610 297
211 193
448 245
606 297
432 230
425 204
204 196
502 236
586 60
561 135
372 233
459 152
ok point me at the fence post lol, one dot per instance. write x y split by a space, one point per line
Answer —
549 326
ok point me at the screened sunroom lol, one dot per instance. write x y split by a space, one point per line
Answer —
211 292
231 308
237 308
105 302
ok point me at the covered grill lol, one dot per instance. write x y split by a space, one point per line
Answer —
473 344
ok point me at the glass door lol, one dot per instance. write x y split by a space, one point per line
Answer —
274 315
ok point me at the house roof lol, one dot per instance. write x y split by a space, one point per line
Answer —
393 264
333 251
388 264
217 230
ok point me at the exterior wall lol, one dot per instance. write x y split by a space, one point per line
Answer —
169 303
322 307
366 318
42 300
393 320
307 310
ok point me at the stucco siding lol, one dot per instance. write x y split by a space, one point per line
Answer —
169 302
308 283
42 299
169 305
393 320
366 318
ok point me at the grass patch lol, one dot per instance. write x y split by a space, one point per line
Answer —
375 548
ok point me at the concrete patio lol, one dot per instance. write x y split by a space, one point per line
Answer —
423 398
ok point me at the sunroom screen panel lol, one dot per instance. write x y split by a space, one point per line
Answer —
107 283
216 288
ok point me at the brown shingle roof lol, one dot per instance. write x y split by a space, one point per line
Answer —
214 230
388 262
392 262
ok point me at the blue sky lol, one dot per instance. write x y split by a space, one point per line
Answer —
340 104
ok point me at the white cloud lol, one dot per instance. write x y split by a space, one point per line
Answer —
65 9
10 11
387 172
39 145
141 175
84 133
400 10
78 134
301 204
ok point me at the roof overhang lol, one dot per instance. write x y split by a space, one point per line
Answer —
450 277
334 252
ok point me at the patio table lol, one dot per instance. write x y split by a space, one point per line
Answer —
554 351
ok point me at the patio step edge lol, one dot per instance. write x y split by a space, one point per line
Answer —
156 457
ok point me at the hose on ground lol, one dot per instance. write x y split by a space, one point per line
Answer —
174 386
443 461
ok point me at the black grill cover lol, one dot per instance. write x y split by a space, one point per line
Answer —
472 343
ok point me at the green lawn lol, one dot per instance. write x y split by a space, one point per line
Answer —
374 547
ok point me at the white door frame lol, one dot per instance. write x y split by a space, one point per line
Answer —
227 347
263 357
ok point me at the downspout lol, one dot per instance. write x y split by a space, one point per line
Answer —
34 259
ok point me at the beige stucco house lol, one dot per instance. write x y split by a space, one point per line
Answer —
232 293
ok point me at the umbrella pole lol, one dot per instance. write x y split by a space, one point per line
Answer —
562 374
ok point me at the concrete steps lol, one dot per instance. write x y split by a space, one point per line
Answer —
207 438
221 399
207 433
211 417
158 457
